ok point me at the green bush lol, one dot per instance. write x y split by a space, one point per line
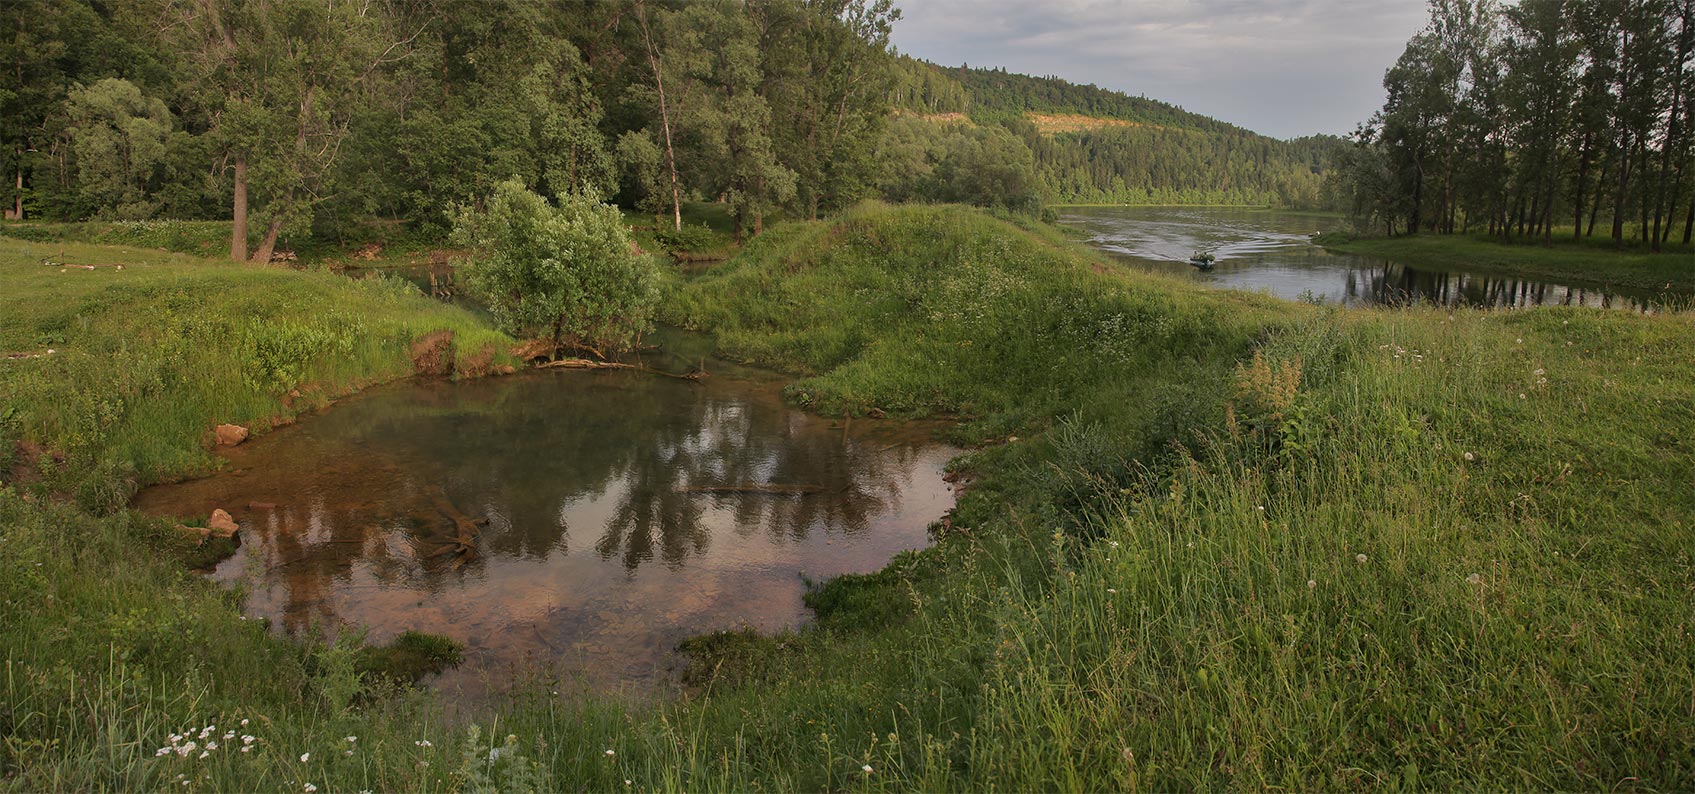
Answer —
567 272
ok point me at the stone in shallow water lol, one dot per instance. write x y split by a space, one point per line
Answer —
221 524
230 435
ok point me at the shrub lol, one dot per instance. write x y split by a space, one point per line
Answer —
566 272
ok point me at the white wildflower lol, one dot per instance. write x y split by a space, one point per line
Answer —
1469 456
310 788
866 769
1360 558
1311 583
611 752
304 757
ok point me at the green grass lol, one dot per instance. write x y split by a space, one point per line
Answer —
1122 598
708 231
1592 261
203 238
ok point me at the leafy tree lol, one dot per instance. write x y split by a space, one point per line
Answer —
568 272
119 137
988 167
731 120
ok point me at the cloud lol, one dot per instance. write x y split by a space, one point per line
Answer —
1281 67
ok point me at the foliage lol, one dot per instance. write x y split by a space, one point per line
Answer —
119 138
565 272
1530 119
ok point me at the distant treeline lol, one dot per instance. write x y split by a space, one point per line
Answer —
1534 119
299 117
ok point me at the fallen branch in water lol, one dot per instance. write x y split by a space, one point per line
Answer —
589 363
753 487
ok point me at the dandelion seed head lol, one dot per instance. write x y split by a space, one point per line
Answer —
1360 558
1469 456
1475 579
1312 583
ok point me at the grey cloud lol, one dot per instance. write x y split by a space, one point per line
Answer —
1285 68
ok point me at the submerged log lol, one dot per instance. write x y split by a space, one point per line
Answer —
589 363
753 487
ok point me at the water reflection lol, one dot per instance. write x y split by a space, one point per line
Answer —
1272 251
622 514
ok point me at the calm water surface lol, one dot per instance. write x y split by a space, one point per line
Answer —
1261 250
602 549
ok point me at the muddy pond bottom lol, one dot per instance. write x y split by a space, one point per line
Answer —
619 512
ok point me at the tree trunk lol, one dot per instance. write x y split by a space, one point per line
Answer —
1618 198
1582 182
664 118
238 232
262 256
1595 206
16 213
1689 221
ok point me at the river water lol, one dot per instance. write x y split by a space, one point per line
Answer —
1262 250
604 545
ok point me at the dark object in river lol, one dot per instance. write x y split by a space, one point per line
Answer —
1203 260
754 487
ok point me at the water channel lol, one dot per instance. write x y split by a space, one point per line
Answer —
1266 250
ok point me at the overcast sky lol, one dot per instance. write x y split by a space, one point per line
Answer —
1284 68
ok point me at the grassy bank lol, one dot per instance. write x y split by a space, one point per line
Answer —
1587 263
1213 540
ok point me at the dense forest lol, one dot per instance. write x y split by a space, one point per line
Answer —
1093 145
1533 120
299 119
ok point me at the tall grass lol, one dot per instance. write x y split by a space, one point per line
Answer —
1236 543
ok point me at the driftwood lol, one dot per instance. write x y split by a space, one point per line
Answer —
753 487
465 529
589 363
80 266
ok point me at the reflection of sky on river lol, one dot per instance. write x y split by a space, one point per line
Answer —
1271 252
596 556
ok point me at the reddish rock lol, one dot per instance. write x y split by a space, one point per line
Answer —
221 525
230 435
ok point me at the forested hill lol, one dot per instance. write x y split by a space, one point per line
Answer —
1093 144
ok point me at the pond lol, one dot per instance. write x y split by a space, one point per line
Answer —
1263 250
625 511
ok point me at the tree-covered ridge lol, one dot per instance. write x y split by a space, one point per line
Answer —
1137 151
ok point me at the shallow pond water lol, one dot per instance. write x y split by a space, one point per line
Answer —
605 544
1273 251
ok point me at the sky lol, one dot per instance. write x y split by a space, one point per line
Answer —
1284 68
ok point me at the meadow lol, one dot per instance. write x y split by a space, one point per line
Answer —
1211 539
